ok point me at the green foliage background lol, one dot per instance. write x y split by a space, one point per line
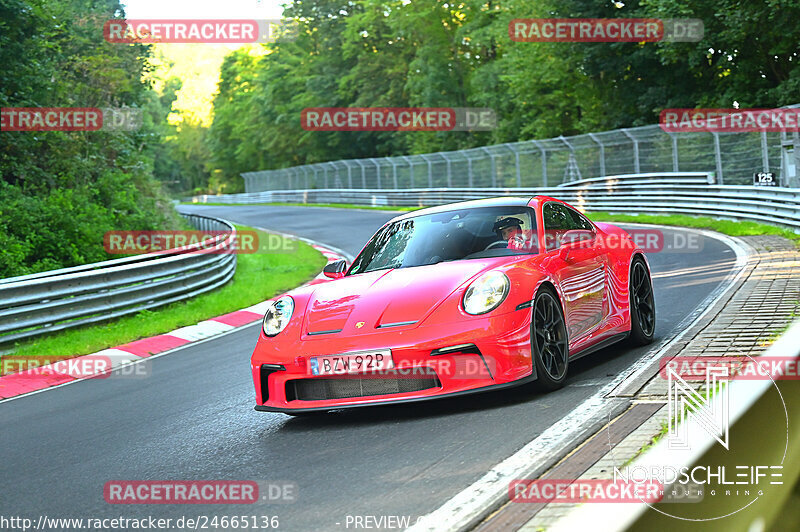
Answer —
459 54
61 191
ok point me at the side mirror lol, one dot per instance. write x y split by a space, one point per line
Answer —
335 270
575 239
581 238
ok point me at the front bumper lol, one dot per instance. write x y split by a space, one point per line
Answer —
395 401
497 354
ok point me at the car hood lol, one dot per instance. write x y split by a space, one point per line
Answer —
387 297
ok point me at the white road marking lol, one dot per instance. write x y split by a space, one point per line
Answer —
204 329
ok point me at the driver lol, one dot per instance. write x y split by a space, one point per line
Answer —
510 230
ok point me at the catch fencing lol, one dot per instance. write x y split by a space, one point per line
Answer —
732 157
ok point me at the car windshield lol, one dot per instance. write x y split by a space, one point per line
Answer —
448 236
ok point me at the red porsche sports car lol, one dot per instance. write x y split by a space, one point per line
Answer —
456 299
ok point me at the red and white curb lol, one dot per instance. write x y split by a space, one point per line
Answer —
102 363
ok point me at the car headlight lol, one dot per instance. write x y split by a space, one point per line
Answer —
278 315
486 293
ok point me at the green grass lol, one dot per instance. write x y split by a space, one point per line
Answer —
333 205
727 227
772 338
649 445
258 277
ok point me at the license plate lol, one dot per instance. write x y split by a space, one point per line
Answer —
366 361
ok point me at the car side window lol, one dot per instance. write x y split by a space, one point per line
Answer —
559 219
580 221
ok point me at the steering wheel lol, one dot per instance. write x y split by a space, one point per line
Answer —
495 244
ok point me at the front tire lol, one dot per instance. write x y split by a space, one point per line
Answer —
642 304
549 341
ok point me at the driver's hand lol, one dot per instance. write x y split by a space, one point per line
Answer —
516 241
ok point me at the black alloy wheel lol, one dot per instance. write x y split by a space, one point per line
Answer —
549 341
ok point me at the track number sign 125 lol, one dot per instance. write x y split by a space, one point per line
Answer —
764 179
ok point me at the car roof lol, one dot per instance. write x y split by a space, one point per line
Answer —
504 201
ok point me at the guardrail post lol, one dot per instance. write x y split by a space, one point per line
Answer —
337 183
544 161
674 152
494 168
394 171
430 170
635 151
764 152
449 174
718 157
407 159
516 161
602 154
349 174
572 160
363 173
378 167
796 151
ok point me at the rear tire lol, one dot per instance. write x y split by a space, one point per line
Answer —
549 341
642 304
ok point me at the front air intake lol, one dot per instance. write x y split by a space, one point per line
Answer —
346 387
266 371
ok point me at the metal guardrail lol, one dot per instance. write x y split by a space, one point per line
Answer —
54 300
682 193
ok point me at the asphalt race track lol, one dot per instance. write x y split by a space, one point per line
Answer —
193 417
